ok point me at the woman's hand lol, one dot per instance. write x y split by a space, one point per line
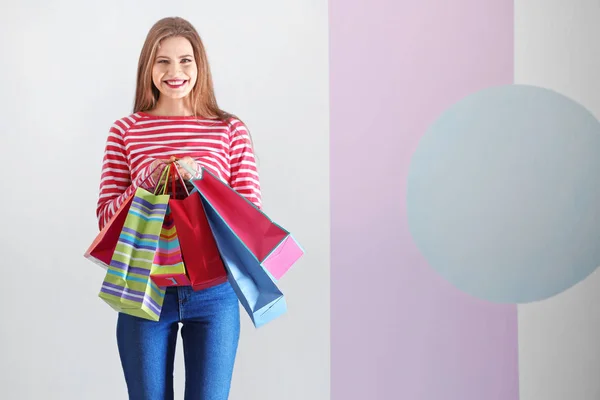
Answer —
157 167
189 162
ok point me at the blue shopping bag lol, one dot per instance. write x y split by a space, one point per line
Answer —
254 286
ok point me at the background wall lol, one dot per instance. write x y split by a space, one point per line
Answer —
395 66
68 72
398 330
556 47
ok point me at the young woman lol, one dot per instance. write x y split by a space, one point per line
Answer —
176 117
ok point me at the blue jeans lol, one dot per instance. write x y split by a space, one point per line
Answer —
210 331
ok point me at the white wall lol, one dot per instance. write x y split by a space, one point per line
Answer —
556 46
68 71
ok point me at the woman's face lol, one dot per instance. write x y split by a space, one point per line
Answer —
175 72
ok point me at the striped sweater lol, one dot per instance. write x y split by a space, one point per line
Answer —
134 142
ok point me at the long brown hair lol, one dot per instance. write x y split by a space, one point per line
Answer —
202 96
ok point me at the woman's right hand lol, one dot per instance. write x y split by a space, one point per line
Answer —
157 167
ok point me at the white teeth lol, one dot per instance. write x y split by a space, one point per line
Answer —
175 83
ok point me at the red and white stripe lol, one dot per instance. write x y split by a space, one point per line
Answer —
134 142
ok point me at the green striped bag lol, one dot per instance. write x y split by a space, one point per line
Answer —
127 286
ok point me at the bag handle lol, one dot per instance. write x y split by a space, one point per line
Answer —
173 173
163 175
177 174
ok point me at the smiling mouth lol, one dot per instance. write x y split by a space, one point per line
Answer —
176 83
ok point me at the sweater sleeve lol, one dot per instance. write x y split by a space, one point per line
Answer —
116 185
244 173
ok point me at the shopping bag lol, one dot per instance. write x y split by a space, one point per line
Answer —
102 248
255 288
273 247
200 253
127 286
168 268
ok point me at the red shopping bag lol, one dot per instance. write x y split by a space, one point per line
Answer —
102 248
273 247
201 256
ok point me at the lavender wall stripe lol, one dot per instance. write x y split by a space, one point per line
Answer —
398 330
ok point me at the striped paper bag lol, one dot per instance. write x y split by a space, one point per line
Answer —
127 285
168 268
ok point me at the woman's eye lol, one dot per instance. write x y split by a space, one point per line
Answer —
186 60
162 61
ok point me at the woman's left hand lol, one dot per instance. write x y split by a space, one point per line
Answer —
189 162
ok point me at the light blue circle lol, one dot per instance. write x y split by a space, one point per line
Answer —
504 194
